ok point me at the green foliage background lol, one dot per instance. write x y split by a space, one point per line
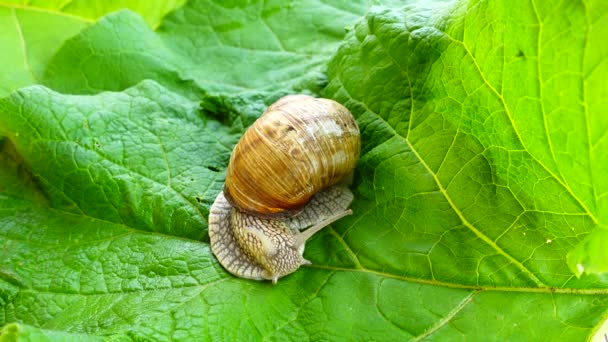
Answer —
481 201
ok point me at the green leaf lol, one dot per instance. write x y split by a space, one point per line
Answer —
15 178
484 147
215 47
34 30
109 279
143 158
28 40
22 332
152 11
590 255
482 163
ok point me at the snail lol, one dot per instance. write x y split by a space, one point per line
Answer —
283 185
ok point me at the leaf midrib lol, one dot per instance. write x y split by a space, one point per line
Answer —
561 180
46 10
464 221
23 45
501 98
443 190
478 288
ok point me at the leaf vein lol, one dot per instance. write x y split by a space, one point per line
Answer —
457 211
520 289
445 320
143 176
349 251
510 117
23 46
46 10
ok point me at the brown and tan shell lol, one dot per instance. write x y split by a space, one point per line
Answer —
298 147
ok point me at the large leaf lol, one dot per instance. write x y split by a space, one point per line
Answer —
210 46
240 56
462 222
482 141
109 279
143 158
152 10
32 31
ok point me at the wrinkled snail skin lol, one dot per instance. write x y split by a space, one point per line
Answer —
268 249
282 186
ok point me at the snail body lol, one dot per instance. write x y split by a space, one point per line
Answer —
281 186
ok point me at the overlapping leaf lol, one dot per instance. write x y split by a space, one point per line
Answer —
143 158
590 256
32 31
209 46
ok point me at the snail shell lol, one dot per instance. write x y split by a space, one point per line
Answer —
299 146
281 187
